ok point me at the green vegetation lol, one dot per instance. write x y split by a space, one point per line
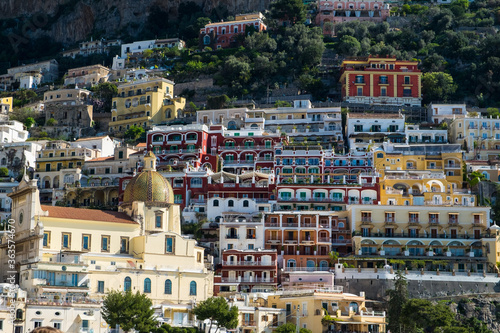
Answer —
129 311
4 172
290 328
420 315
134 133
217 310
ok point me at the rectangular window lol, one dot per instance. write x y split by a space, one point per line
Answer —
46 239
120 154
407 92
100 287
407 80
105 240
66 240
124 245
38 323
360 91
158 220
169 244
57 326
86 242
198 256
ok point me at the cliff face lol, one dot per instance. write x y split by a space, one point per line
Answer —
69 21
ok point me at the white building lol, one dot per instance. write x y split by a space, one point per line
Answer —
365 131
140 46
480 136
104 144
415 135
299 121
6 187
19 155
437 113
222 117
29 81
12 131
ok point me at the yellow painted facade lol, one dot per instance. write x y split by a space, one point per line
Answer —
410 178
75 256
8 101
145 103
460 236
349 311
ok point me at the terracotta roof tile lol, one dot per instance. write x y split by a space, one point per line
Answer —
92 138
101 159
142 144
88 214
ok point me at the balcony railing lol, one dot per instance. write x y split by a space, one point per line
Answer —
248 323
232 237
247 263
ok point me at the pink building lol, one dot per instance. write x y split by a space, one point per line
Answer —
247 270
223 34
350 10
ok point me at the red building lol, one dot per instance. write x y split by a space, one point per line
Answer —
375 80
223 34
247 270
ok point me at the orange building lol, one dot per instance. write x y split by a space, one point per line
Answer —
375 80
305 238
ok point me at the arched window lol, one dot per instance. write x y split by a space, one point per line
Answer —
192 288
127 286
245 203
19 314
196 182
291 263
341 224
216 203
168 287
147 286
354 306
230 203
206 40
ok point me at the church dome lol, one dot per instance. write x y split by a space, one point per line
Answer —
150 187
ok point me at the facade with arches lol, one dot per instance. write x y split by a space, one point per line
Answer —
144 103
77 255
458 236
426 174
331 13
223 34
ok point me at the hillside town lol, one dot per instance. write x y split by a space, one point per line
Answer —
230 184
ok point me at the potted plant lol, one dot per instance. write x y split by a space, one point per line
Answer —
430 251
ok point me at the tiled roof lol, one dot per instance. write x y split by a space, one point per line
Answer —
142 144
101 159
88 214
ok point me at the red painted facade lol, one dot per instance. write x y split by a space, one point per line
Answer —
383 79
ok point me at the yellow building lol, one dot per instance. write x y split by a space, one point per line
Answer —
76 256
7 101
418 175
348 312
460 237
145 103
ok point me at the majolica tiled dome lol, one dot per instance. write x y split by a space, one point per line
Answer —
149 186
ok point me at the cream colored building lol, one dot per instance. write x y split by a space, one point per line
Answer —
87 76
348 312
479 136
458 236
145 103
74 256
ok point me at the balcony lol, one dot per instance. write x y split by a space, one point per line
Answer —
273 241
324 240
248 323
247 263
232 237
413 221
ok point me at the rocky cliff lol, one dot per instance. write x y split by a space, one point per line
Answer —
69 21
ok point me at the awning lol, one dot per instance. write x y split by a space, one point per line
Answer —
131 263
85 317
